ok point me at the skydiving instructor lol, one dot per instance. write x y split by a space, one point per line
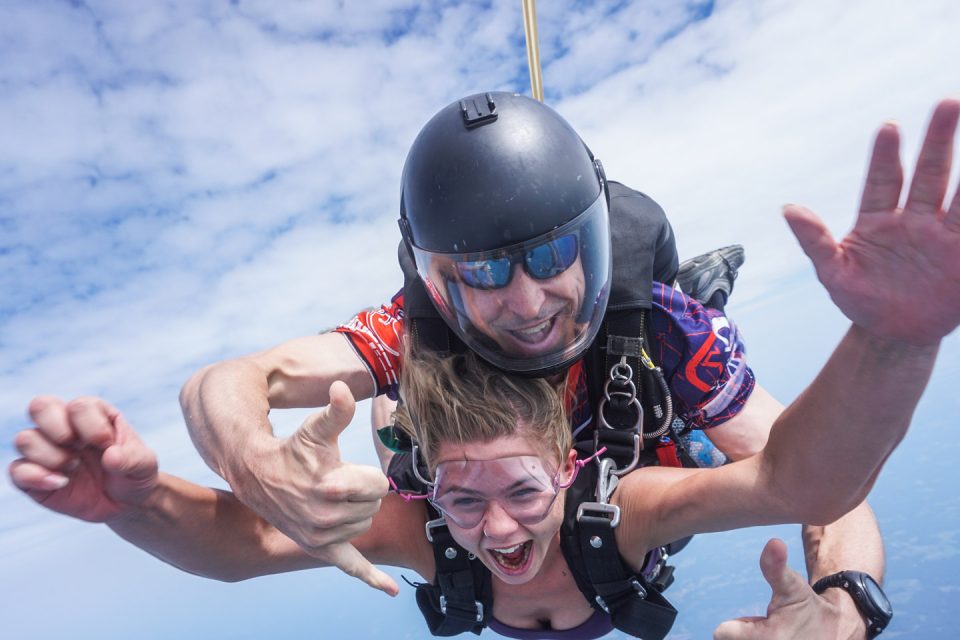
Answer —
507 217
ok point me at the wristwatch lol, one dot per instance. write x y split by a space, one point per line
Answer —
867 595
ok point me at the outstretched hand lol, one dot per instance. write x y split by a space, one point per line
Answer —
897 273
82 459
321 502
795 610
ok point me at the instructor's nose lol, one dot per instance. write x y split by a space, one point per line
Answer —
524 296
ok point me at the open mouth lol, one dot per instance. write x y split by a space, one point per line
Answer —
535 334
513 560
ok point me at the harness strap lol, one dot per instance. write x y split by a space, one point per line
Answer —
462 598
634 606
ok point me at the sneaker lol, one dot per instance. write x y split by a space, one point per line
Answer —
701 277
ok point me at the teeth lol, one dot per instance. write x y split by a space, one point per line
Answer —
535 329
509 549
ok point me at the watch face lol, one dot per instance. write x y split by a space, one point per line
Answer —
876 594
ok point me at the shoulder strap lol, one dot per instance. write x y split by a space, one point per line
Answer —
461 598
644 247
589 545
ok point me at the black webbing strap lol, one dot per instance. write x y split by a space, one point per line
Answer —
634 606
461 600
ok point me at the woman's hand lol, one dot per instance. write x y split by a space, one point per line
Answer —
897 273
83 459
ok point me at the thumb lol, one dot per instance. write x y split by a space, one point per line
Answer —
740 629
787 585
345 557
132 457
325 426
812 234
130 463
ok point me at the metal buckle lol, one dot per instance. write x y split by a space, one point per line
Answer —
639 587
609 511
622 374
434 524
635 584
606 483
476 603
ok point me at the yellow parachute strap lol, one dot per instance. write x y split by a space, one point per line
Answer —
533 47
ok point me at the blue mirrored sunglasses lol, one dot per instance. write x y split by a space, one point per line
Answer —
541 262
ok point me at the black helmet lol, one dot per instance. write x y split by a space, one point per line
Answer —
505 212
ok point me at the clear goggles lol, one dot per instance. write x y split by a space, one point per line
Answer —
522 486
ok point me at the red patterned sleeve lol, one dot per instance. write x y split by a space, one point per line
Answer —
376 335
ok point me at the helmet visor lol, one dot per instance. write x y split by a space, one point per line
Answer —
530 306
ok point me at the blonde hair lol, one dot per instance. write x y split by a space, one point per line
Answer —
460 398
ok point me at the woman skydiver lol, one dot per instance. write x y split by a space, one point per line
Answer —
895 276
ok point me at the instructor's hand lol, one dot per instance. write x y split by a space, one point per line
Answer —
795 611
320 502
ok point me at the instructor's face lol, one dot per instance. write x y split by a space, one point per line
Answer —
529 317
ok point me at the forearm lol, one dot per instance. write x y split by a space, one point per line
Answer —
827 447
225 407
851 543
207 532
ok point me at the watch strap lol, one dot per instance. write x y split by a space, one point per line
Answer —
852 583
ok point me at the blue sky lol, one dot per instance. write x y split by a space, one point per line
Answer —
184 181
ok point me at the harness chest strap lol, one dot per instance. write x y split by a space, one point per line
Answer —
462 598
634 606
589 544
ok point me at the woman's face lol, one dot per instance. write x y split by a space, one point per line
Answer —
513 551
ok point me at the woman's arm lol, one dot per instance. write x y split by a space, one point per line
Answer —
821 460
897 277
210 533
84 460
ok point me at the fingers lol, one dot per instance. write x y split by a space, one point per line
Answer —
814 237
32 477
932 174
952 219
881 191
66 433
354 483
345 557
93 421
48 450
50 416
325 426
34 446
84 421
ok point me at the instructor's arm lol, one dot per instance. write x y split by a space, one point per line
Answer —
226 407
